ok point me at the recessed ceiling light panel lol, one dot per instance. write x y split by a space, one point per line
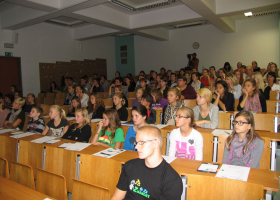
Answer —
248 14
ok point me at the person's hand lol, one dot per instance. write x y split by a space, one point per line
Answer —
113 85
217 93
244 92
182 97
96 143
100 125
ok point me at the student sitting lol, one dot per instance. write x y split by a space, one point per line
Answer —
233 86
157 83
139 94
205 113
9 99
81 130
36 124
259 80
71 95
243 146
3 111
157 178
58 123
16 118
147 101
188 78
53 87
251 100
75 104
159 102
172 82
130 84
96 106
173 98
186 142
222 97
31 101
118 103
80 92
143 84
104 82
139 117
163 87
96 87
109 133
118 81
187 91
119 89
272 86
196 84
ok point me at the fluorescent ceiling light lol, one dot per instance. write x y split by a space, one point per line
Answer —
248 14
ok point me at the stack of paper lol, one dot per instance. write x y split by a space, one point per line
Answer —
169 159
6 130
78 146
52 141
208 167
15 133
234 172
217 132
108 153
160 126
22 135
70 118
45 116
43 139
65 145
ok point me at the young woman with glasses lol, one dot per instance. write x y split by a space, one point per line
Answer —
185 141
243 146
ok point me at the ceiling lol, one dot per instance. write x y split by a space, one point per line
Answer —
91 19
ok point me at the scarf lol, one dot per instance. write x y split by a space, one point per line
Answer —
14 115
168 115
236 148
255 105
196 86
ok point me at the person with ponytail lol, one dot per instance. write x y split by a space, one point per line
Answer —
243 146
119 102
58 125
185 141
81 130
109 133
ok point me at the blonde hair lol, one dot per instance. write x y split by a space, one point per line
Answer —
114 123
176 91
189 113
260 85
62 114
21 101
153 132
233 78
85 115
120 95
205 93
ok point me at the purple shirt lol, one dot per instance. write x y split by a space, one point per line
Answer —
135 102
163 102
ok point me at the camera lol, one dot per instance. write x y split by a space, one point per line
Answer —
189 56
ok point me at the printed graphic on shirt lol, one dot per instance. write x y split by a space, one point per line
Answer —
131 142
57 132
32 127
105 139
135 186
185 149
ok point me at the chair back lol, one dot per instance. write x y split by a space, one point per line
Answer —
86 191
207 147
49 100
8 148
132 95
273 95
42 95
129 111
22 174
51 184
106 174
4 168
39 100
236 102
222 188
46 108
50 94
221 147
129 101
224 120
59 101
61 95
191 103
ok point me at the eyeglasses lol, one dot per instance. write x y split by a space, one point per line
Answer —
143 99
239 123
143 142
179 116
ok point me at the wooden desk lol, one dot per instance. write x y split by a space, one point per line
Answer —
15 191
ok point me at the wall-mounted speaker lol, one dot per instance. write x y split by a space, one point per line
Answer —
15 38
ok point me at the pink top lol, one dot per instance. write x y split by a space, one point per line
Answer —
3 116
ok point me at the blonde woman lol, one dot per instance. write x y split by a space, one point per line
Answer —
206 113
16 118
58 125
233 86
81 130
119 106
259 80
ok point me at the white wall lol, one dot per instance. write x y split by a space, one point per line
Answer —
50 43
254 39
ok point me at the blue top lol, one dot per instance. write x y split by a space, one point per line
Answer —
130 139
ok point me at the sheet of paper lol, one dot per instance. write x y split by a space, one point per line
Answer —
52 141
6 130
169 159
22 135
43 139
78 146
128 124
108 106
222 111
70 118
15 133
160 126
45 116
217 132
234 172
208 167
108 153
96 120
65 145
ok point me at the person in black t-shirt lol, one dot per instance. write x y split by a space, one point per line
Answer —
16 118
119 106
81 130
150 176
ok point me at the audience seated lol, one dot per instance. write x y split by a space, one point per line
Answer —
233 86
85 84
53 87
147 101
119 89
206 114
222 97
130 84
187 91
9 99
119 102
64 88
36 124
172 82
96 86
205 78
71 94
212 73
255 67
80 92
96 106
163 86
139 94
3 111
271 85
75 104
31 101
239 76
249 72
196 84
228 68
118 81
259 80
159 101
104 82
188 78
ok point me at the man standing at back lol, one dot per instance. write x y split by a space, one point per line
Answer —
150 176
